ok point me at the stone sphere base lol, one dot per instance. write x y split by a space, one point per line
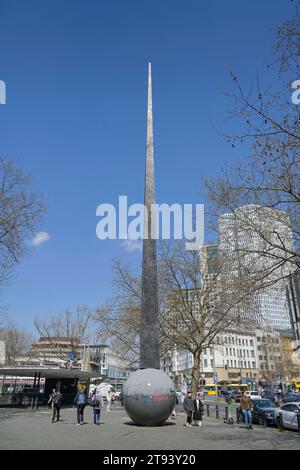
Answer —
149 397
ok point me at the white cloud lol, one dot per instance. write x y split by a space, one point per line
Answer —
40 238
132 245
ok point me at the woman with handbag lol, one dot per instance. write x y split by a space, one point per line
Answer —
96 402
198 411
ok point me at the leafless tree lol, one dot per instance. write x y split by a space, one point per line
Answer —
70 327
119 320
20 212
196 304
17 340
269 175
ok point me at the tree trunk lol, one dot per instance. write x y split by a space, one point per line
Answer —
196 373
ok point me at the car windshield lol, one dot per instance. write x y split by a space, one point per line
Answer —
264 403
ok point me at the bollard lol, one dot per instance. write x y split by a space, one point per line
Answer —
237 415
217 411
207 409
226 413
298 420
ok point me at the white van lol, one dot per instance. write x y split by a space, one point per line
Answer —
103 389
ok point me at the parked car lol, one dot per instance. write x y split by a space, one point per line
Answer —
268 394
290 397
289 415
263 411
253 394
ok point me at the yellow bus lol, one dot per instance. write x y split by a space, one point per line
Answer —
210 389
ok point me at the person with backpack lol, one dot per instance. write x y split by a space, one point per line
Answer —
228 400
56 399
80 403
96 402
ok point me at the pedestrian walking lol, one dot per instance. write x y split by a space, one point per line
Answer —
228 400
80 402
108 398
55 399
245 406
173 414
50 402
198 410
96 402
188 406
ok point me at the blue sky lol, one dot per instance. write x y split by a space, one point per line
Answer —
76 77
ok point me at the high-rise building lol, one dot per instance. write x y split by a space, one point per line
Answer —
256 240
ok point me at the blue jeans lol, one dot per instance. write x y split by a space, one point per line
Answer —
80 410
96 415
248 417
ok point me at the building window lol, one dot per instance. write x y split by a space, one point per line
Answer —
205 362
251 342
253 365
212 362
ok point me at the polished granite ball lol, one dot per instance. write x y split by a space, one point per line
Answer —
149 397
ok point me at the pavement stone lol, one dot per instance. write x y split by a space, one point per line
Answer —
33 430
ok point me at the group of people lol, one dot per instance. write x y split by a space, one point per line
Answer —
194 409
81 400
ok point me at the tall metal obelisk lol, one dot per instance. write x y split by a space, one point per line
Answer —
149 393
149 330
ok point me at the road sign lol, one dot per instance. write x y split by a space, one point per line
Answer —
72 356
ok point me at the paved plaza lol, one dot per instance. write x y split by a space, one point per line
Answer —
29 429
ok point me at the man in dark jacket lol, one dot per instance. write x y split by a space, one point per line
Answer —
80 402
56 399
188 406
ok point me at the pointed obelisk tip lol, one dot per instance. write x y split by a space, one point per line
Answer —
149 66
